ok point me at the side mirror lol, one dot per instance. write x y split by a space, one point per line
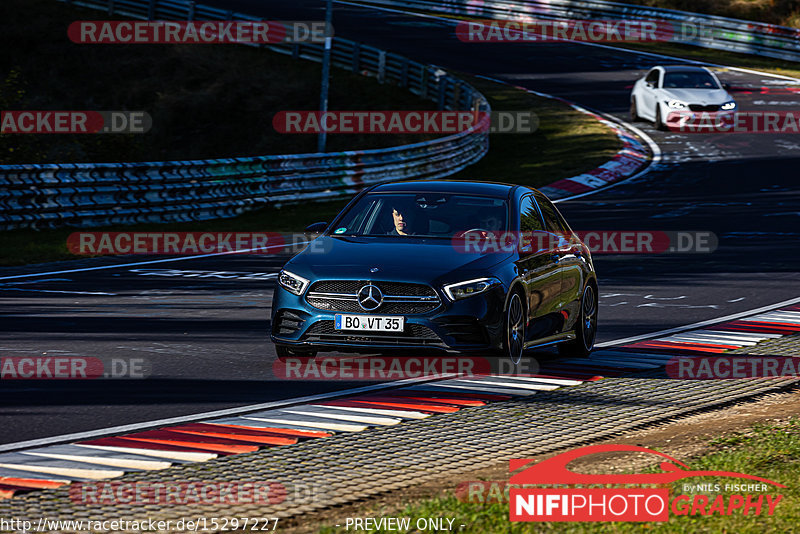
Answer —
726 86
316 228
649 85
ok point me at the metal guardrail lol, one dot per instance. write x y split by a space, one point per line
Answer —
88 194
728 34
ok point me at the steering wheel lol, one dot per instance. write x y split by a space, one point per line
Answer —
482 230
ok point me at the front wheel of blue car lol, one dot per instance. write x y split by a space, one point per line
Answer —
514 341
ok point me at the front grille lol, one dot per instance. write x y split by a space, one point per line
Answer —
287 322
707 109
399 298
463 330
413 334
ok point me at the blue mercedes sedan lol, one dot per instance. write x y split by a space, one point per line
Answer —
454 266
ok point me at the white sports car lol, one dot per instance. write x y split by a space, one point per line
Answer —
672 96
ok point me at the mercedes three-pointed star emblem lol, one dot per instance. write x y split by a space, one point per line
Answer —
370 297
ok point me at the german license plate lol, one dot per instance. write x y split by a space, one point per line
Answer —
370 323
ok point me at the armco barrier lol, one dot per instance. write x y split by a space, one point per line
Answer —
51 195
725 33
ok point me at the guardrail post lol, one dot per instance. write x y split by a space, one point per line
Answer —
404 73
356 56
295 50
229 15
381 66
442 93
423 91
110 7
151 10
456 95
192 7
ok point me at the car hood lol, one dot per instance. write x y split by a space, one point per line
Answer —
705 97
396 259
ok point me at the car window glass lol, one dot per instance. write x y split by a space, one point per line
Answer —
689 80
529 219
552 219
425 214
652 77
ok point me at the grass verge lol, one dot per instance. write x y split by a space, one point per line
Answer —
206 100
767 450
567 143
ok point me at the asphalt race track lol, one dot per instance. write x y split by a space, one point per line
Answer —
199 327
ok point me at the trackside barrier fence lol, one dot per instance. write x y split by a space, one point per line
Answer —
97 194
722 33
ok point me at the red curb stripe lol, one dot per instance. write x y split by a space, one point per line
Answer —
420 407
245 438
673 345
379 397
165 436
458 394
791 326
754 328
139 444
284 431
32 483
182 445
436 398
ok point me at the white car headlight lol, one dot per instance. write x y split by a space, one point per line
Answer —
676 104
728 106
292 283
468 288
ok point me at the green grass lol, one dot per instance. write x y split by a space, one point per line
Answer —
206 101
783 12
566 143
767 450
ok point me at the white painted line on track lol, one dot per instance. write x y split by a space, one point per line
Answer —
147 262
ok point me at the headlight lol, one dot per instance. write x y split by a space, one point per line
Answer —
676 104
728 106
292 283
462 290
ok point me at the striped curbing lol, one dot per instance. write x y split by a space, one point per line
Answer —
161 448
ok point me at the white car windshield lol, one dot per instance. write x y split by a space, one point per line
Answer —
689 80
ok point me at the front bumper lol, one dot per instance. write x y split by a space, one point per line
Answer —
467 325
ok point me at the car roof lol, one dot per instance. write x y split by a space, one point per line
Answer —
492 189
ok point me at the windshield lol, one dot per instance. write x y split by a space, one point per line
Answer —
438 215
689 80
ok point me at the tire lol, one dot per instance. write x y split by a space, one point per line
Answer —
284 353
634 111
659 121
585 328
514 328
